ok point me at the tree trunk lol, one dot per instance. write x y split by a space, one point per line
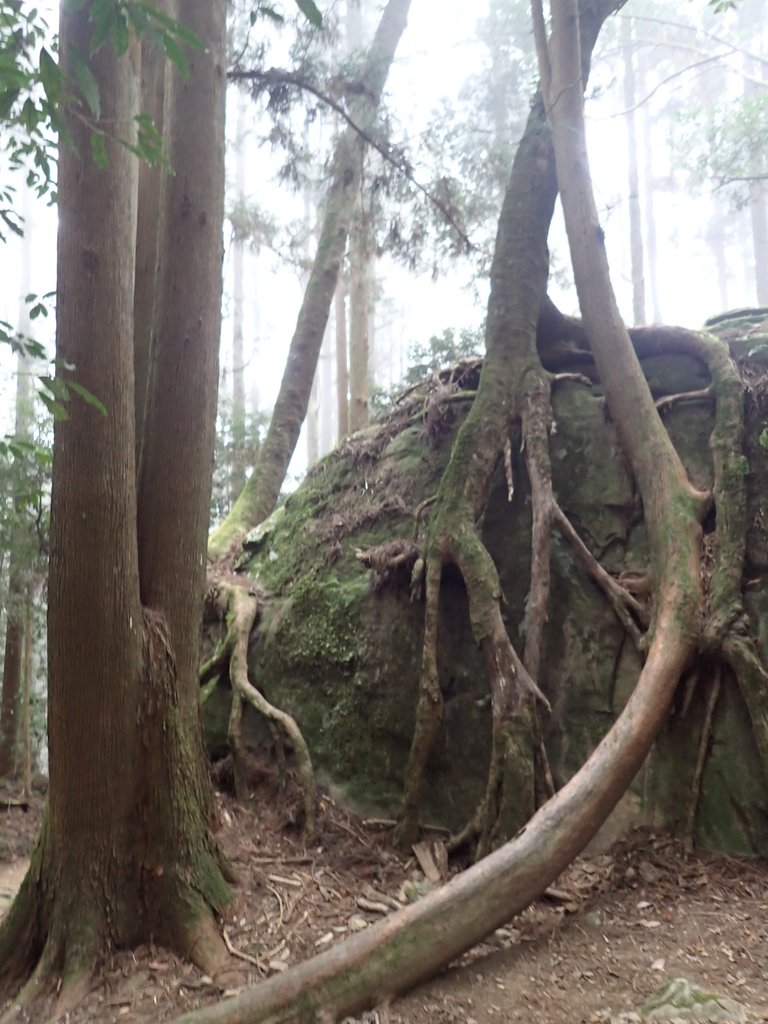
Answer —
154 78
26 699
326 393
758 212
262 490
635 213
342 373
237 478
20 554
650 202
358 322
125 854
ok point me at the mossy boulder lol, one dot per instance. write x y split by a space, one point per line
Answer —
343 655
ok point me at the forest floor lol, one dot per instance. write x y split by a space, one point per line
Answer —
613 929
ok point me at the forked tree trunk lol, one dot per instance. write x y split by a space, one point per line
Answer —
261 492
125 854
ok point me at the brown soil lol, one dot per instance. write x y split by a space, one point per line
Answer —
613 929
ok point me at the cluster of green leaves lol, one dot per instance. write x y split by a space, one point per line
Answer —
29 117
726 144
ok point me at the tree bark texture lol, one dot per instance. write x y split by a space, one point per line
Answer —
261 492
154 78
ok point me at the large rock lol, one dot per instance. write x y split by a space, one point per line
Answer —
343 657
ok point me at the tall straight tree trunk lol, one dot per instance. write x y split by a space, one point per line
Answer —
154 77
758 213
26 697
342 373
18 568
651 245
358 323
125 853
326 392
261 493
237 480
174 494
635 212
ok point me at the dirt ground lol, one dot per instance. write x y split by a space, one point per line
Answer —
611 930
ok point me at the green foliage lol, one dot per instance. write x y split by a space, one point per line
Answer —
233 456
30 91
443 350
439 352
726 144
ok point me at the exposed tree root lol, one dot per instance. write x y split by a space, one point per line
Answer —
629 611
701 760
429 710
239 606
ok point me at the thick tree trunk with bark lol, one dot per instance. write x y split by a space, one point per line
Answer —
125 854
261 492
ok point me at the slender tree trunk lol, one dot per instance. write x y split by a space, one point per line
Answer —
716 241
237 479
758 212
260 494
26 698
342 373
635 212
650 204
20 554
326 393
358 323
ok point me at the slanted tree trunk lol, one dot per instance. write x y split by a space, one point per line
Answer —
260 494
125 855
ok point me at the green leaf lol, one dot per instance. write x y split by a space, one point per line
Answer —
86 83
310 11
175 54
56 409
50 76
88 396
